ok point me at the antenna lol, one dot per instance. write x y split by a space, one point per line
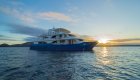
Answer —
53 27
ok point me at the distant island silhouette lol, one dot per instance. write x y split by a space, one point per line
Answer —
27 44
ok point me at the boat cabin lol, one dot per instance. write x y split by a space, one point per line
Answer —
58 36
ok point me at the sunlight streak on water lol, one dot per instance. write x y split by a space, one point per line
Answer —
104 52
103 56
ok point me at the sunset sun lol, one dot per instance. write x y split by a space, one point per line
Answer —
104 41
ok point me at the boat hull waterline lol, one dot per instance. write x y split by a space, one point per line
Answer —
85 46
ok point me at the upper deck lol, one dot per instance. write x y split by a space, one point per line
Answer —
59 36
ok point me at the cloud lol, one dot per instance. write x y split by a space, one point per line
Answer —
26 17
32 17
54 16
6 39
3 38
25 30
15 3
30 39
126 40
30 32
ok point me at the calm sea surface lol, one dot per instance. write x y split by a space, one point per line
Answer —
104 63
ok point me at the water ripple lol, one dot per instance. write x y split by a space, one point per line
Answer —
112 63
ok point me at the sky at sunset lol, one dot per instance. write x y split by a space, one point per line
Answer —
115 20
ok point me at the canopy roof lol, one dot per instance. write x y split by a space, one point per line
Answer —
61 30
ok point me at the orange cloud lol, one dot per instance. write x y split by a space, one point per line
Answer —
55 16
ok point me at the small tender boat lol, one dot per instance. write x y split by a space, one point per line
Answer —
60 39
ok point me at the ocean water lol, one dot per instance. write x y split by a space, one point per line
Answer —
103 63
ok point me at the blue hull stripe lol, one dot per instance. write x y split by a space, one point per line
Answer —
68 47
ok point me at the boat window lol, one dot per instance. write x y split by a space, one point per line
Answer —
65 35
80 39
54 36
54 42
60 35
71 41
71 35
45 37
74 41
62 41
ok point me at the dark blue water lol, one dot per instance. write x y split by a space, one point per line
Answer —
104 63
